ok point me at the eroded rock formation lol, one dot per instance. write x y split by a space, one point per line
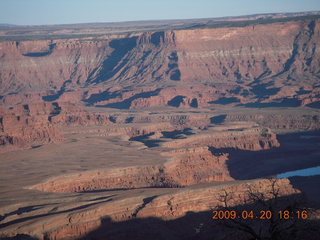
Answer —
191 160
187 95
258 64
75 222
26 125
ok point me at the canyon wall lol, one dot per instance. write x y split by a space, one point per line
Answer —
74 222
113 89
278 121
34 124
190 160
262 63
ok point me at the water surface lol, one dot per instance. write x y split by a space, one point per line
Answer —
302 172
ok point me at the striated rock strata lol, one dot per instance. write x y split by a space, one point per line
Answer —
26 125
192 161
276 63
75 223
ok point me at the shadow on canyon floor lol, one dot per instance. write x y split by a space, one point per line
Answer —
48 52
225 100
193 226
296 151
19 237
314 105
24 219
176 134
125 104
22 210
200 225
285 102
146 141
197 226
310 187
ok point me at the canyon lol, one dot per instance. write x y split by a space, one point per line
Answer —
149 124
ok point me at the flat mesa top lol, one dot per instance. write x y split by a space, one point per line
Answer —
96 30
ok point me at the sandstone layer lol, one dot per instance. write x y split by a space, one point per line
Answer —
272 64
194 160
153 124
75 221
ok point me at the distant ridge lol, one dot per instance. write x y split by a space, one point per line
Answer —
6 24
12 32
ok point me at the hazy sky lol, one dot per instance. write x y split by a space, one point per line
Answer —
36 12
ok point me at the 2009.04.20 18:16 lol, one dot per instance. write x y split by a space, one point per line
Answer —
285 214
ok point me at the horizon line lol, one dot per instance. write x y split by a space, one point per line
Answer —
158 20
